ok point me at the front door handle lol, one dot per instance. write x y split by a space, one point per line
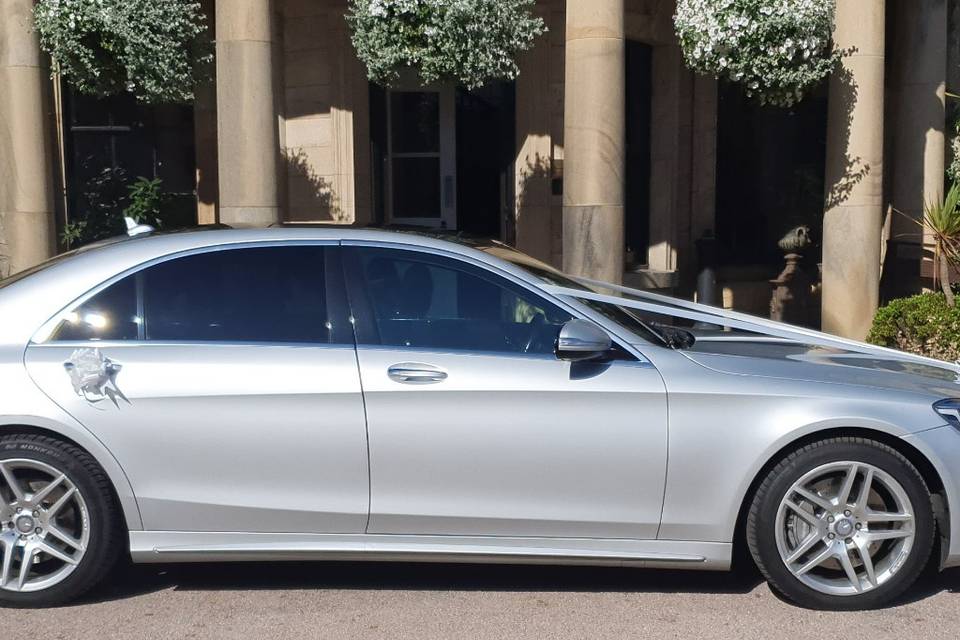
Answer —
416 373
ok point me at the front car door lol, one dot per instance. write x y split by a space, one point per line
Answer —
225 383
476 428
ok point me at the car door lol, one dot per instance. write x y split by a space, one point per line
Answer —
476 428
225 383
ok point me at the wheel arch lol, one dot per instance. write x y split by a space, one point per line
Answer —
917 458
92 447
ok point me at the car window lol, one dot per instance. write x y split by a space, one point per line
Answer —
418 300
261 294
109 315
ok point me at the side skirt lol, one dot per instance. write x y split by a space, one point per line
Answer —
175 546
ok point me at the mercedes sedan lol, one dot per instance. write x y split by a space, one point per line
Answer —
310 394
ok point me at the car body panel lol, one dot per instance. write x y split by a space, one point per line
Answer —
230 437
511 446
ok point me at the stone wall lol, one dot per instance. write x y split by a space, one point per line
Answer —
324 113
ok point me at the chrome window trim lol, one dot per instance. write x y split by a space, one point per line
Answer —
118 344
42 334
643 363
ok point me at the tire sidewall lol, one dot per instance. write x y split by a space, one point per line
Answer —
100 554
767 504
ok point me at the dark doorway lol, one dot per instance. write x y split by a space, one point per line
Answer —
110 142
485 155
770 168
638 98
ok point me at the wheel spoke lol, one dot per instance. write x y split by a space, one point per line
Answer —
51 550
803 548
891 534
59 504
39 496
863 548
886 516
816 561
814 498
848 568
64 537
8 547
26 563
803 513
864 495
843 498
11 481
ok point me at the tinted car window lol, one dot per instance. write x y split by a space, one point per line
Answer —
264 294
269 294
411 299
109 315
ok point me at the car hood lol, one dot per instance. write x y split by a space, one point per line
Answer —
793 360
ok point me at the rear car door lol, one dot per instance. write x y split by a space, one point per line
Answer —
225 383
476 428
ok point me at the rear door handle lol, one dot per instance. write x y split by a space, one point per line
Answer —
416 373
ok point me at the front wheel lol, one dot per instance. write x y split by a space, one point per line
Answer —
844 523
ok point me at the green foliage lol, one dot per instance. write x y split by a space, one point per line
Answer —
467 41
107 200
923 324
942 218
777 49
153 49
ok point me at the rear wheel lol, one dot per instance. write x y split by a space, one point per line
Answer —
59 526
845 523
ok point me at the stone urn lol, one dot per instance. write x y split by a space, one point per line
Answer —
791 300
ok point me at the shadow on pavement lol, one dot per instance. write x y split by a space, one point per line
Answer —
131 581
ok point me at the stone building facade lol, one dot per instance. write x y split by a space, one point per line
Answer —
606 156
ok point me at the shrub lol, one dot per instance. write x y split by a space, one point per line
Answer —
470 42
150 48
777 49
923 324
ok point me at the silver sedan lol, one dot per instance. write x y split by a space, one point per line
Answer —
300 394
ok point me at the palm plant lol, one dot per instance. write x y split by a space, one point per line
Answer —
942 220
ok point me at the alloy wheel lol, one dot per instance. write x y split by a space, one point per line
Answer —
44 525
845 528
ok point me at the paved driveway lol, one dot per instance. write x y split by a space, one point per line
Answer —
347 600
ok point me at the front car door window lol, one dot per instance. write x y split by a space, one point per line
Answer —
416 300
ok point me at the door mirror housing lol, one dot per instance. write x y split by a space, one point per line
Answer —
582 340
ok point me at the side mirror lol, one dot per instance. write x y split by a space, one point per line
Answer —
582 340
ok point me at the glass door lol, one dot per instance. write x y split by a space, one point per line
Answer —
421 157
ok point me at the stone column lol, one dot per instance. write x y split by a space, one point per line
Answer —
247 127
27 225
593 133
853 217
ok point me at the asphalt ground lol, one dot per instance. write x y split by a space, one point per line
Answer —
426 601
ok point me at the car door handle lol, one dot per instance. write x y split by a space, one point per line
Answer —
416 373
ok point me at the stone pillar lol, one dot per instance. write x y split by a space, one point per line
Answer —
593 133
27 225
247 127
853 216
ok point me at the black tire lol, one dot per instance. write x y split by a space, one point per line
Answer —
762 518
106 540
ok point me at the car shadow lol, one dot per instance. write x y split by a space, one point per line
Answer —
134 580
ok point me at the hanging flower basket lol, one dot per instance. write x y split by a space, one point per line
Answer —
470 42
150 48
776 49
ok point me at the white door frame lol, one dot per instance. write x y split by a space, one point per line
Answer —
447 154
